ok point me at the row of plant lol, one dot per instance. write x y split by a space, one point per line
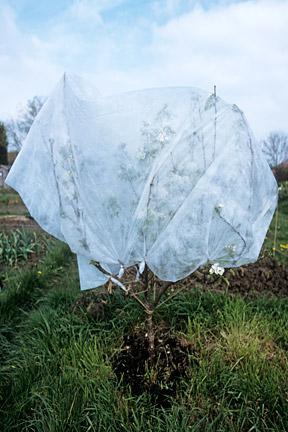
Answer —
19 245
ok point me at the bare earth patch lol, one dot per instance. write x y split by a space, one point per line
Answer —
159 376
17 221
266 276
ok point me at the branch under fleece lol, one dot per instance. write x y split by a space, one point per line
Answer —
146 290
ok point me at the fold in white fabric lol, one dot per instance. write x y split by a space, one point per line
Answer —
170 177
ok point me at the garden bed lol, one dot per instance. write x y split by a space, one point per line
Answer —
265 277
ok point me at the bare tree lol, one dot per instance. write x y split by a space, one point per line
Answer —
275 148
281 172
17 129
3 145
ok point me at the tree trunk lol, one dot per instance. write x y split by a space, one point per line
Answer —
150 335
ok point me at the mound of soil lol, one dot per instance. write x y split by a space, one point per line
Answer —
159 376
15 221
266 276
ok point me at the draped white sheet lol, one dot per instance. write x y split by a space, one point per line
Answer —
171 177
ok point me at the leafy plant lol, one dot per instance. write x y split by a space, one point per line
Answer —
17 246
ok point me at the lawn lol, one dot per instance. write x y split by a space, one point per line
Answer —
57 370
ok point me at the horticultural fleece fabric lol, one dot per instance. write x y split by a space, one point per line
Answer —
170 177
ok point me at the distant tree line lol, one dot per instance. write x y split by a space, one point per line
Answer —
3 145
275 149
14 131
18 128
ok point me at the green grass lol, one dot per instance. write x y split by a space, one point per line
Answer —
56 372
279 232
23 287
4 198
56 366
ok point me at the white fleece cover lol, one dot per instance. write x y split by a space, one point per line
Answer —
172 177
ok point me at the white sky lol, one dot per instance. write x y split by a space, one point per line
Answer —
240 46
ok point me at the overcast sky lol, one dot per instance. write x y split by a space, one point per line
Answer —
241 46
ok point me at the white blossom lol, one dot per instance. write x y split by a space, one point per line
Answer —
216 269
141 266
141 154
231 249
121 271
162 137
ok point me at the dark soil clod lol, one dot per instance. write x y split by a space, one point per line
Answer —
158 376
